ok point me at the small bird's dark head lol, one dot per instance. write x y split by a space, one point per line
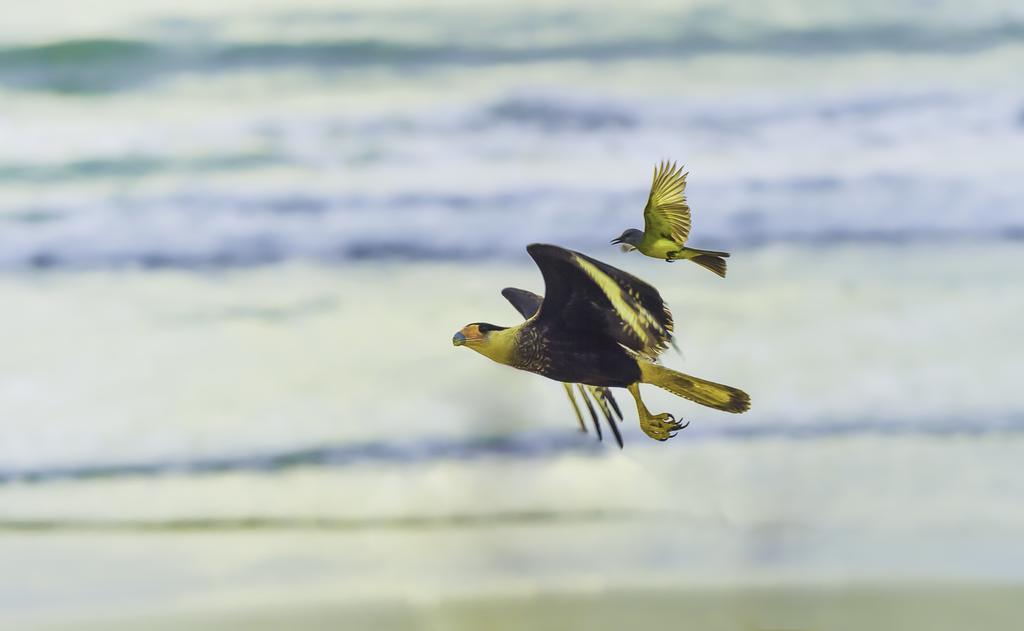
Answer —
629 239
475 334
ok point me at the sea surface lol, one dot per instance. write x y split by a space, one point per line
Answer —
236 238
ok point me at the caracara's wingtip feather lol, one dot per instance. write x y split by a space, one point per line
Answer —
575 408
603 397
593 414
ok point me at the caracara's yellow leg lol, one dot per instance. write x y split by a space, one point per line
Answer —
657 426
575 408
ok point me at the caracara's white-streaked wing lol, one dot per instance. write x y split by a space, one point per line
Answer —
667 214
636 319
586 293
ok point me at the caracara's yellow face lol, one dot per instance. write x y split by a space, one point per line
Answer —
495 342
470 335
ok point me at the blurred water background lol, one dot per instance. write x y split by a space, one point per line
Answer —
236 238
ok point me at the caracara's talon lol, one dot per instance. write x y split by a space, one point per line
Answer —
659 426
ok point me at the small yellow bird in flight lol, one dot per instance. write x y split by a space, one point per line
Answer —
667 223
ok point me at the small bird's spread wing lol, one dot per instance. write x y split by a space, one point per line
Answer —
667 214
584 294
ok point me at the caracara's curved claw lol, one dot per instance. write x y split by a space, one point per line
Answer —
661 427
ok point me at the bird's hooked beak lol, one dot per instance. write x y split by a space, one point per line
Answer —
458 339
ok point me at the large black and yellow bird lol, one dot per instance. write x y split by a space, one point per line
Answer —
528 303
667 224
598 326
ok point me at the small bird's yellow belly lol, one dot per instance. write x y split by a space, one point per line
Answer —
659 248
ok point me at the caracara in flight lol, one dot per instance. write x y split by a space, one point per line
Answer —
598 326
527 303
667 224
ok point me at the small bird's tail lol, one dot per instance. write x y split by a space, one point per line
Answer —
710 259
713 395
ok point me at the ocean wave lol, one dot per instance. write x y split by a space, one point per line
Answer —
203 230
242 253
414 522
555 114
104 64
496 126
563 112
423 450
133 166
527 445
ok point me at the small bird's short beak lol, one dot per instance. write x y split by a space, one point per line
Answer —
458 339
616 240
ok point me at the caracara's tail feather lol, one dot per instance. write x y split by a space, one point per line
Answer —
713 395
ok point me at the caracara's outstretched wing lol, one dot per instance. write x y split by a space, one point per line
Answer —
527 303
584 294
667 214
